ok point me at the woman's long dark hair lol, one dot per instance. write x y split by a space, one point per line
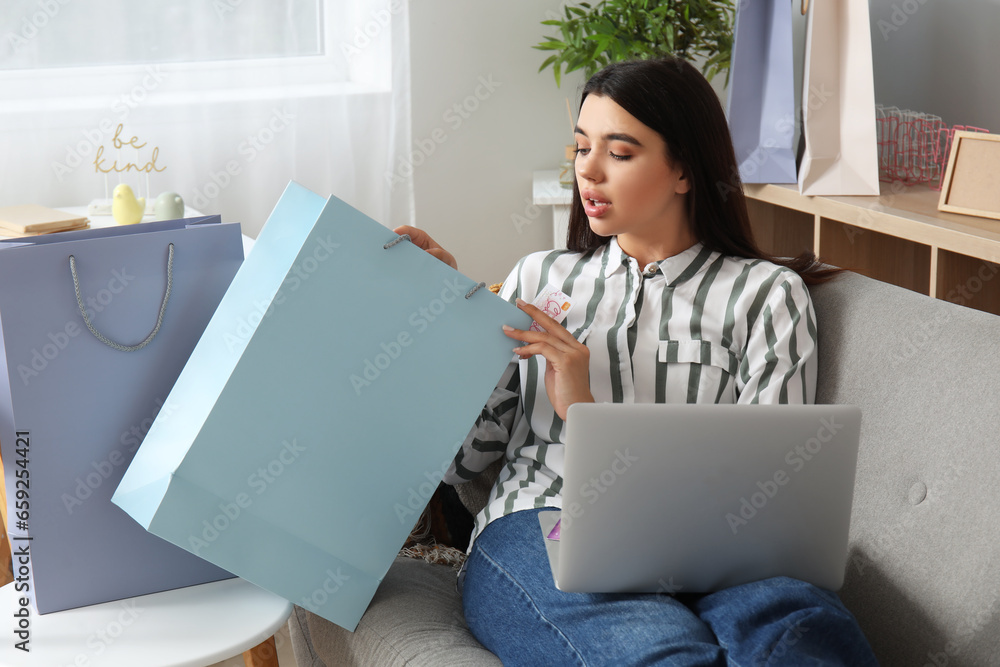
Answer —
671 97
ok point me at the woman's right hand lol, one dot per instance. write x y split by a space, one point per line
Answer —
423 240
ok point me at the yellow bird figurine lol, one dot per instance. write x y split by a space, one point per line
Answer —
125 208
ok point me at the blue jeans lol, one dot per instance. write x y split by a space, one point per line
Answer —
514 609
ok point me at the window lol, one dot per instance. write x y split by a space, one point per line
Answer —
67 33
236 96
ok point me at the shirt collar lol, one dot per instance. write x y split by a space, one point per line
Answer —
682 266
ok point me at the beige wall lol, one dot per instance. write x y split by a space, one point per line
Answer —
939 57
476 164
483 120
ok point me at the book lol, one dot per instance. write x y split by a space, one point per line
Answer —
27 219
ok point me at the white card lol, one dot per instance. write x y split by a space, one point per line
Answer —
553 303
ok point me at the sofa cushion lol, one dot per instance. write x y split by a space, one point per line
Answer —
923 576
415 619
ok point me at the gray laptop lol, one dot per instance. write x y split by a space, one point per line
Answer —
695 498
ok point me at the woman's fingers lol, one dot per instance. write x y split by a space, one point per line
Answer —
423 240
534 339
444 256
567 369
546 322
417 236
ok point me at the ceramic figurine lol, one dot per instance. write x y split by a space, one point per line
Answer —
125 208
168 206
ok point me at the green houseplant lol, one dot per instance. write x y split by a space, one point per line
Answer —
593 36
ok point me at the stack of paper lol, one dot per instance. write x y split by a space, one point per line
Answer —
29 219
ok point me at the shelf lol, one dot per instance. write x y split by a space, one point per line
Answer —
898 237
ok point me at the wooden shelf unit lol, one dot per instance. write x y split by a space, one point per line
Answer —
898 237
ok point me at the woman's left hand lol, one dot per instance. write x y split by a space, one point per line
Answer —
567 368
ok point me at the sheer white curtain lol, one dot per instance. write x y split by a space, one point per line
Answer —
221 101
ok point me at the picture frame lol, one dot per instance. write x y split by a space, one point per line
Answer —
971 184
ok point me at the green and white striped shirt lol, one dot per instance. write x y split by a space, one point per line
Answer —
698 327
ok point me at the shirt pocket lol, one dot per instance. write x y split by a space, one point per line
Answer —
697 371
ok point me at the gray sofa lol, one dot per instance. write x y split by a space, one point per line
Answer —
923 576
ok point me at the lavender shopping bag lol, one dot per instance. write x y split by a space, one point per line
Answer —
762 92
96 326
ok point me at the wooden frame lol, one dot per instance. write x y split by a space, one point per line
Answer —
971 184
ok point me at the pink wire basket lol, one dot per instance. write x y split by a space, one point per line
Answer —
913 147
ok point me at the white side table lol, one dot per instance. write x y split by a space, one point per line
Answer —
546 191
186 627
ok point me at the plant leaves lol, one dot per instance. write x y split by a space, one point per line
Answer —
548 61
613 30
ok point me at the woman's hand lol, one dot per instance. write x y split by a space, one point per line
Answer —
422 239
567 368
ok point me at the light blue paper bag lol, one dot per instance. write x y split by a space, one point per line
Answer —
328 395
74 409
762 111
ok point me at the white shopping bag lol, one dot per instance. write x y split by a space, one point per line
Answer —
838 93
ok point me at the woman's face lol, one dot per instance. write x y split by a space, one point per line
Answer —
628 186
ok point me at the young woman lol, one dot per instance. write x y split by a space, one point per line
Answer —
673 302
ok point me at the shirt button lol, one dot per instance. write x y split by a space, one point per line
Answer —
651 269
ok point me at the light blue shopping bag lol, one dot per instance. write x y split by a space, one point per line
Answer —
762 112
337 378
74 407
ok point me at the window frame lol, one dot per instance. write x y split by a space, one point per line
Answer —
103 86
